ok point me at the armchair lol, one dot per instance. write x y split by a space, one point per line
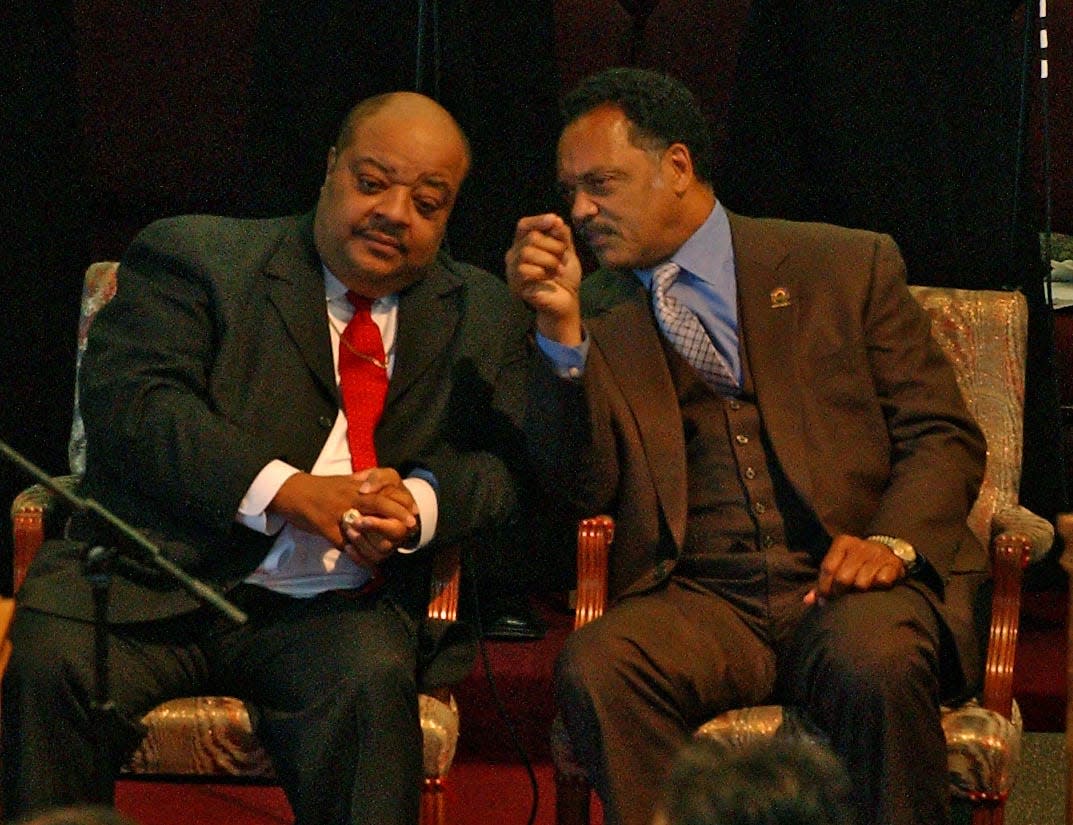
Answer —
215 736
983 334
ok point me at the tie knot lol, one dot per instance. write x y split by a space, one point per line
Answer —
664 275
359 302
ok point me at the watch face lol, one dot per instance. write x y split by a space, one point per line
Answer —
901 548
904 550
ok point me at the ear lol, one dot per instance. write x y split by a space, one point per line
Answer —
332 157
679 164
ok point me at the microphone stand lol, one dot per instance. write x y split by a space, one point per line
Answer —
194 586
97 569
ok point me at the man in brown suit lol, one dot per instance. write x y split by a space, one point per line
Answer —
791 502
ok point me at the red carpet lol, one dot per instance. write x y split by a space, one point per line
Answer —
1040 669
165 803
478 794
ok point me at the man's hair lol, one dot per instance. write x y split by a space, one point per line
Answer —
780 781
660 108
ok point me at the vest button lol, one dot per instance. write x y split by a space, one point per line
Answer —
735 404
759 507
750 473
742 439
661 570
769 542
324 422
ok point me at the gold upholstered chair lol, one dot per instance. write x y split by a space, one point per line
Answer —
214 736
983 334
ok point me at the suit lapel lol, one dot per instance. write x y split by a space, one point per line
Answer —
429 312
769 306
628 339
296 289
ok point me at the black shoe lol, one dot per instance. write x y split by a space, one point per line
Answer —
512 620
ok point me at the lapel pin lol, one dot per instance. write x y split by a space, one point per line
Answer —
780 297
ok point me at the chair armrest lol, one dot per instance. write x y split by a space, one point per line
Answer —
7 613
1009 556
444 589
1018 537
446 584
1021 520
37 513
594 537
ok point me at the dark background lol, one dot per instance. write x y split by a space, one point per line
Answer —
117 112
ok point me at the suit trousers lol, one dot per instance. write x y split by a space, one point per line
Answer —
633 685
333 679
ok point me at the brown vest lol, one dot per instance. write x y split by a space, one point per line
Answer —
749 537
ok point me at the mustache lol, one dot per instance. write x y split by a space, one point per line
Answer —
383 228
591 229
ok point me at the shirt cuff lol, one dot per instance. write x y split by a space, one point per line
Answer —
568 362
424 493
252 510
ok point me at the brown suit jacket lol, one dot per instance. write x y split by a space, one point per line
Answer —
861 407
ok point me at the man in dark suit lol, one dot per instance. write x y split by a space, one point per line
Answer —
216 422
784 449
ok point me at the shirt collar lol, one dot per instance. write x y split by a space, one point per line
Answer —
707 254
335 291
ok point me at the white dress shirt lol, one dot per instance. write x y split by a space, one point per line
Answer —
299 563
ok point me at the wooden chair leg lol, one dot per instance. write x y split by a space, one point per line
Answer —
433 801
573 798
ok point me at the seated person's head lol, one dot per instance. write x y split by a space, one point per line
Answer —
390 184
778 781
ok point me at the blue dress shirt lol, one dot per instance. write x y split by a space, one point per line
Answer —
707 285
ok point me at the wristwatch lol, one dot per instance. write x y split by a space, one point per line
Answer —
903 550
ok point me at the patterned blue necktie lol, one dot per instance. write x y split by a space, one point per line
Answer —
684 330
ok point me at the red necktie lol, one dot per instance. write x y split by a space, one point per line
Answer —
362 381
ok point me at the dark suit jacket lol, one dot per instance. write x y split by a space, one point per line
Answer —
861 407
214 358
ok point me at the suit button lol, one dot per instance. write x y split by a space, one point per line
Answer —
325 422
661 571
735 404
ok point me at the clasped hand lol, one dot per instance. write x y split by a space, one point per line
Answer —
316 504
855 564
543 270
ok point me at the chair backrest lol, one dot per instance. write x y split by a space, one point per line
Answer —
98 288
984 335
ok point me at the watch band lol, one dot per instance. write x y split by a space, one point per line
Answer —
903 550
